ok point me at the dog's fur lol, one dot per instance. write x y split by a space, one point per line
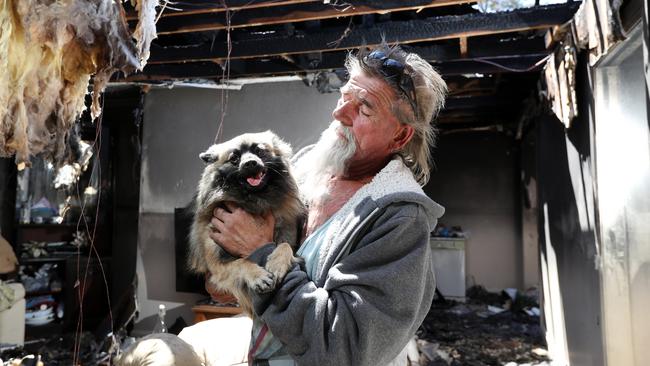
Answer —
252 171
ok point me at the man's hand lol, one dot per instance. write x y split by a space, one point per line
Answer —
240 233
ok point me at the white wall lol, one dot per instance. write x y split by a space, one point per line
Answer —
623 178
178 125
475 178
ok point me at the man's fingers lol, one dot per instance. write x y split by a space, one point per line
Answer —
219 213
231 207
216 236
217 225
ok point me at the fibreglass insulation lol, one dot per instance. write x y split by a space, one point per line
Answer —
49 49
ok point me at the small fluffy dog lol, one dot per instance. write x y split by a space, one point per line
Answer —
252 171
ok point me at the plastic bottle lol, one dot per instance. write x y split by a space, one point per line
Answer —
160 326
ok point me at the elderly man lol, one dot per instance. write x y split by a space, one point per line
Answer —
368 280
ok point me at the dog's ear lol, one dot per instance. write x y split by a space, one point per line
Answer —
282 148
210 155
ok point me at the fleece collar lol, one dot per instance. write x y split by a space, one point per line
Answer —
394 178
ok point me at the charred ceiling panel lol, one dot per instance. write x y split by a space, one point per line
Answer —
596 27
217 42
50 51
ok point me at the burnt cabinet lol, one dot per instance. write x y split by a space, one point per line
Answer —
65 287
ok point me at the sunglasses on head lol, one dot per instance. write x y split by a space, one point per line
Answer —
393 71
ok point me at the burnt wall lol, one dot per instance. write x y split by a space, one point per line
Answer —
567 231
7 197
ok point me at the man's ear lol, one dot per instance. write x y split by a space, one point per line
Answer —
403 136
210 155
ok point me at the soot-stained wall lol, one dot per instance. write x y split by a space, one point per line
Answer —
567 222
475 178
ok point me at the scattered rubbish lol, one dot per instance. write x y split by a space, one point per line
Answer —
534 311
541 352
460 309
495 309
483 331
428 349
511 292
443 231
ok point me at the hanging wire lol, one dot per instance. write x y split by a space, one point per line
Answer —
537 64
81 285
225 72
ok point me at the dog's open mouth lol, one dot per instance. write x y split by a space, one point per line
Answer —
256 180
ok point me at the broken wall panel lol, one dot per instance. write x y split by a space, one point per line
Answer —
596 27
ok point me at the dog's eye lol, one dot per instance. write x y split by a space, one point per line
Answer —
234 157
258 150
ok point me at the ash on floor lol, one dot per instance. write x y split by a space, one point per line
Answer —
489 329
60 350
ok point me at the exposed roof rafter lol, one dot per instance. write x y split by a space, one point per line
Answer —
288 14
404 32
188 7
513 53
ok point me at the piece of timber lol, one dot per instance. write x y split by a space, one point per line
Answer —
481 48
403 32
209 70
477 103
188 7
287 14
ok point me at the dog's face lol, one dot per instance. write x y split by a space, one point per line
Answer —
246 169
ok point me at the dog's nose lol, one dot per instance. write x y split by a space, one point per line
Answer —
250 164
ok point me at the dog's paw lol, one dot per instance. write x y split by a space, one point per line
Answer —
280 261
264 283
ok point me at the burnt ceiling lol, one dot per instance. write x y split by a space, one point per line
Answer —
491 61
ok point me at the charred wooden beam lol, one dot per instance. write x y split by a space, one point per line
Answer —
404 32
481 48
276 67
471 123
463 46
287 14
485 102
188 7
462 86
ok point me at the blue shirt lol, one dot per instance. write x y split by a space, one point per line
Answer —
271 348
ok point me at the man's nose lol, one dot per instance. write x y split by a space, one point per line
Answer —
342 113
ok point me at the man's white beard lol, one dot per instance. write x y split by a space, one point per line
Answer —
328 158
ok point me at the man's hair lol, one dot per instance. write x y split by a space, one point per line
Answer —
430 91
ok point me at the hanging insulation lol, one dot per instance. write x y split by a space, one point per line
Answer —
49 50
